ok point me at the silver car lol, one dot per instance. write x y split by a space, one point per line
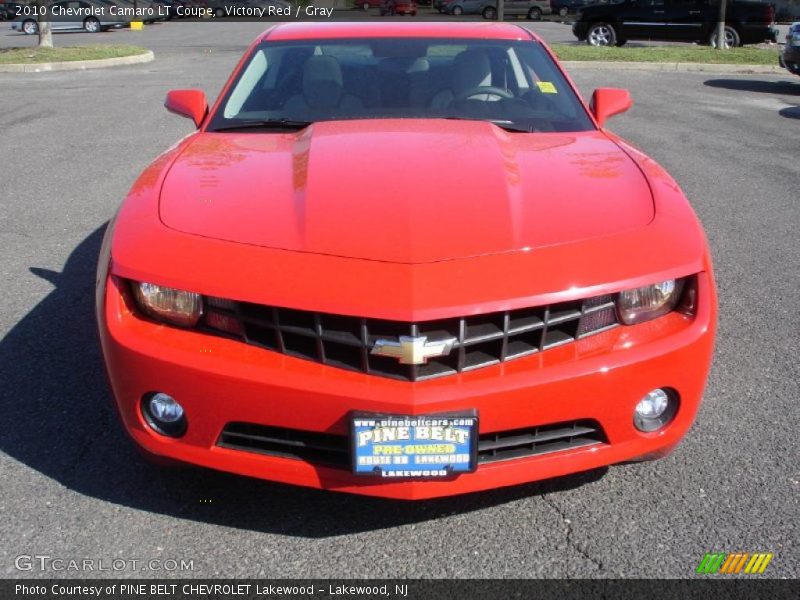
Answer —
86 15
790 59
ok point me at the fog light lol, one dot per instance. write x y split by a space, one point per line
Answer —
164 414
165 408
656 409
653 405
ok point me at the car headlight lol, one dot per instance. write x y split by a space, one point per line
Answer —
168 304
648 302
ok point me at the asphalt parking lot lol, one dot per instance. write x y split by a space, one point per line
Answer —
172 35
73 486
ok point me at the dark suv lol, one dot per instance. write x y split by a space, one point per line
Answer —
674 20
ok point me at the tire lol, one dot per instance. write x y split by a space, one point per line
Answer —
490 13
563 12
535 14
458 11
30 27
620 43
601 34
92 25
732 39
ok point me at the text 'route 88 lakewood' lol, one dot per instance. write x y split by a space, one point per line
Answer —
205 590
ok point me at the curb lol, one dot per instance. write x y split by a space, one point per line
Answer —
610 65
79 65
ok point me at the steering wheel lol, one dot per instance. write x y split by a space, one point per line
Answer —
488 90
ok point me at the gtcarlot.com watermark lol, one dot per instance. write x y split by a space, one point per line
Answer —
45 563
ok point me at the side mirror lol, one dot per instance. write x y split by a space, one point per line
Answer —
188 103
607 102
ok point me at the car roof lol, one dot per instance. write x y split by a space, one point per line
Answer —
459 30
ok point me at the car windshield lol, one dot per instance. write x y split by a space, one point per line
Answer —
287 85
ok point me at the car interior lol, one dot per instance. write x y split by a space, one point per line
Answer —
406 79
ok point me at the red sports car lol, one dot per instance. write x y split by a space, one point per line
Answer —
528 296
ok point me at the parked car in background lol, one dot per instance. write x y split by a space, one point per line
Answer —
8 11
178 8
152 10
562 8
531 9
91 24
399 7
790 59
674 20
222 8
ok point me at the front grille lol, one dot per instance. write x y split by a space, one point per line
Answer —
533 441
346 342
333 449
309 446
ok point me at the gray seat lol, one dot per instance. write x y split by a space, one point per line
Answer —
401 82
471 69
323 90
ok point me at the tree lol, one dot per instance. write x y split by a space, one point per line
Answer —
721 25
45 33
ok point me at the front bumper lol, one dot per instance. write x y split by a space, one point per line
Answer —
220 381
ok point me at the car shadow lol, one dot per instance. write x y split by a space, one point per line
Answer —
791 88
59 420
756 85
790 112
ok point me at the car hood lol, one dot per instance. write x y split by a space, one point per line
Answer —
406 191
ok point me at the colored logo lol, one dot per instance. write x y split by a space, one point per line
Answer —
732 564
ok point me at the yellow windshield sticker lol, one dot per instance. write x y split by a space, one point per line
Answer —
546 87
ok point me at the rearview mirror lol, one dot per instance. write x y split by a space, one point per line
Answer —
607 102
188 103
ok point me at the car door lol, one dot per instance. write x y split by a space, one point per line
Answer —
686 18
643 19
517 7
62 22
472 6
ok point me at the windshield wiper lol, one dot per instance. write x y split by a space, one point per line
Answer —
501 123
290 124
296 125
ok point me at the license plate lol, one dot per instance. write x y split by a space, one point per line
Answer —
419 447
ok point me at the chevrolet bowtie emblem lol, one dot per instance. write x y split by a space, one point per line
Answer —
413 350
